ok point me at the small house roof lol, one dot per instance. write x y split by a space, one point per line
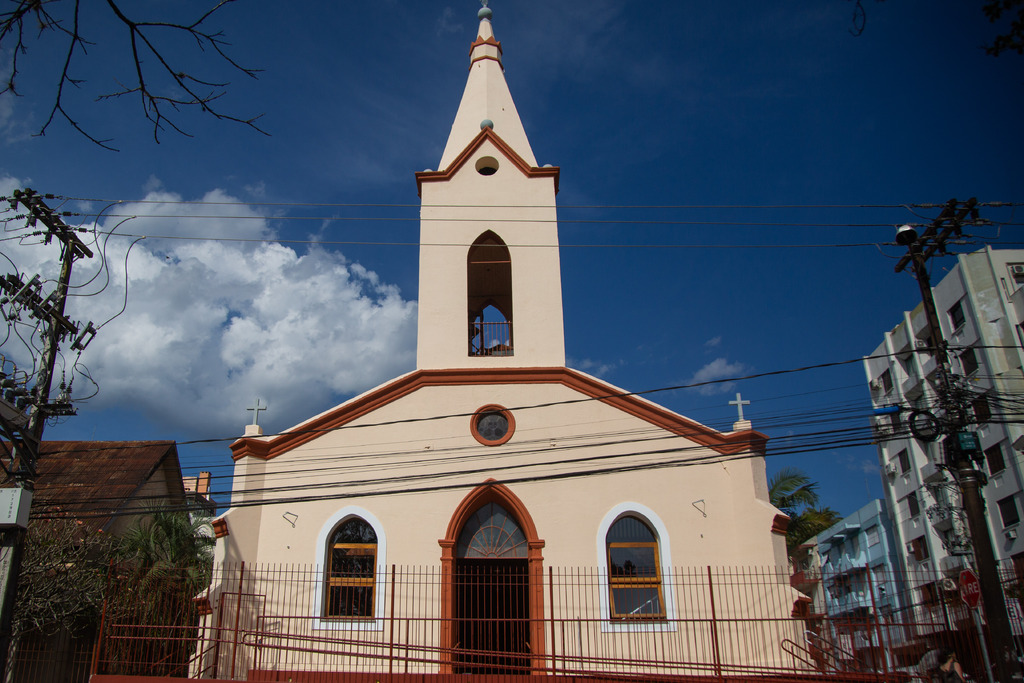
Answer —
96 481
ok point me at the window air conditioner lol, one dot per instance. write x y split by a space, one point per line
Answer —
1017 270
890 469
1011 534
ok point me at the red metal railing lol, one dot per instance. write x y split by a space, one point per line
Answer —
490 339
718 623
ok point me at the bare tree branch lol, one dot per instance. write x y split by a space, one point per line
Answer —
163 89
1013 39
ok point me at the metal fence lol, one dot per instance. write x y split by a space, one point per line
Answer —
506 619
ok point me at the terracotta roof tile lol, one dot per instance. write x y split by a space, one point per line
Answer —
94 479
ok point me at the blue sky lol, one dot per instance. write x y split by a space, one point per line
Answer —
653 104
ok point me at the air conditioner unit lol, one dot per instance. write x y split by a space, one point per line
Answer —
948 584
921 343
1017 270
1011 534
890 469
910 549
875 385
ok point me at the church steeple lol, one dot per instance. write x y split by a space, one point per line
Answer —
486 98
490 288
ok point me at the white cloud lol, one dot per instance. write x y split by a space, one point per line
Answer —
210 325
718 369
446 23
713 343
860 464
593 367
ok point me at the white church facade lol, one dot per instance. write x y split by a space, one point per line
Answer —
495 470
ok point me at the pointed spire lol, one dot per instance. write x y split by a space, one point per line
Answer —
486 101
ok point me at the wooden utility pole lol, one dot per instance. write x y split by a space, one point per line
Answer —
953 421
26 435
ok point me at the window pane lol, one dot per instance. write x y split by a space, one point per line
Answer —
492 426
994 456
632 561
354 530
350 601
630 530
491 532
956 315
1008 511
904 459
982 412
912 505
639 601
353 562
969 361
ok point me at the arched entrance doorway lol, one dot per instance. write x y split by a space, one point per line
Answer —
492 602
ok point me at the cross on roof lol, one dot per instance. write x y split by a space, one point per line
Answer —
739 403
257 408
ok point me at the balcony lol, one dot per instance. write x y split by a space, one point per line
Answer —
931 473
912 388
941 517
805 579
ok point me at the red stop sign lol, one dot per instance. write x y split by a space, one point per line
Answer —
970 588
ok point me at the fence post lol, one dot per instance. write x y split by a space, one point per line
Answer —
878 629
714 627
551 601
238 617
391 636
95 669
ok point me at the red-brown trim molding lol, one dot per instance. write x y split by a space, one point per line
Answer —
483 57
487 134
481 41
779 524
220 528
493 492
729 443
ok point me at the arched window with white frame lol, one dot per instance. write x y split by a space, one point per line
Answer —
634 570
634 557
351 571
351 559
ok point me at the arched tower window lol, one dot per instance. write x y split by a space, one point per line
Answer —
634 573
351 570
489 276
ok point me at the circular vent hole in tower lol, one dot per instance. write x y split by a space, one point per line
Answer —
487 166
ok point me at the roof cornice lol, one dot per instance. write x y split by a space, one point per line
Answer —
487 135
731 443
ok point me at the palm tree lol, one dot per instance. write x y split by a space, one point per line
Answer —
792 492
166 561
170 540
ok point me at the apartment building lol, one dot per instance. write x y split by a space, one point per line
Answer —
980 305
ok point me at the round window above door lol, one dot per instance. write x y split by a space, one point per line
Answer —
492 425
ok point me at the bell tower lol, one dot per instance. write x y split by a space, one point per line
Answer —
490 292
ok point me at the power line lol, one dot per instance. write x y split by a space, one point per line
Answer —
564 206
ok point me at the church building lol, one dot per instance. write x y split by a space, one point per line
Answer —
444 512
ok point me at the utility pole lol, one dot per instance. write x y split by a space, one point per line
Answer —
25 435
959 445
